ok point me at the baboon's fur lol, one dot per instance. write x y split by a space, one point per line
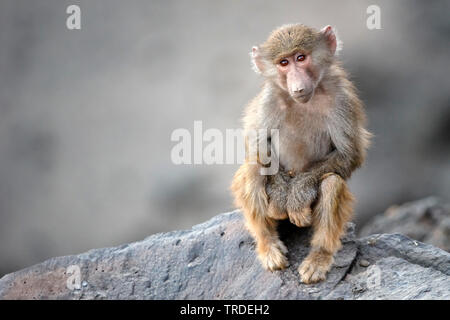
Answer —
330 143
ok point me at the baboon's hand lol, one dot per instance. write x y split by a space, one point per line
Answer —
302 218
302 193
277 189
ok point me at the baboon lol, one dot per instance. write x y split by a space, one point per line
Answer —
308 97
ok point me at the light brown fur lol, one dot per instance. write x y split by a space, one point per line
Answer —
322 140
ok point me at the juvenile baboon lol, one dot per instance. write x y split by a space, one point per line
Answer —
308 97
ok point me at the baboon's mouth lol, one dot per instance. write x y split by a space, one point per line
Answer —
303 97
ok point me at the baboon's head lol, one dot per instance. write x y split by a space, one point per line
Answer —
294 57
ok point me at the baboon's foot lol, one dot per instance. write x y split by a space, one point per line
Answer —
273 256
315 267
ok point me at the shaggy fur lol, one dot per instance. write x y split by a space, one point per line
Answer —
321 142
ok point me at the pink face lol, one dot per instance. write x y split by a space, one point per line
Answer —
298 76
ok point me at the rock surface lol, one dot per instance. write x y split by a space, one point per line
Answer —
426 220
216 260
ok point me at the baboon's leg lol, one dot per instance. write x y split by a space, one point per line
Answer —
333 210
271 250
249 190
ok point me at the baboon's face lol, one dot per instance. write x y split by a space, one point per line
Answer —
298 76
295 57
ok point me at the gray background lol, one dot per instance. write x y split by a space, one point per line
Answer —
86 116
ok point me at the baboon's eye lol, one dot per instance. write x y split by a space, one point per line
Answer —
284 62
301 57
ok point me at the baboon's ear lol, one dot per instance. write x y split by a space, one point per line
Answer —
258 65
333 43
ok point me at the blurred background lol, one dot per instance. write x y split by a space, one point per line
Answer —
86 115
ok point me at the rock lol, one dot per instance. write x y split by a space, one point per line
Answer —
426 220
400 268
216 260
364 263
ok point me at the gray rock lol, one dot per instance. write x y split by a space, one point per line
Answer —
426 220
216 260
400 268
